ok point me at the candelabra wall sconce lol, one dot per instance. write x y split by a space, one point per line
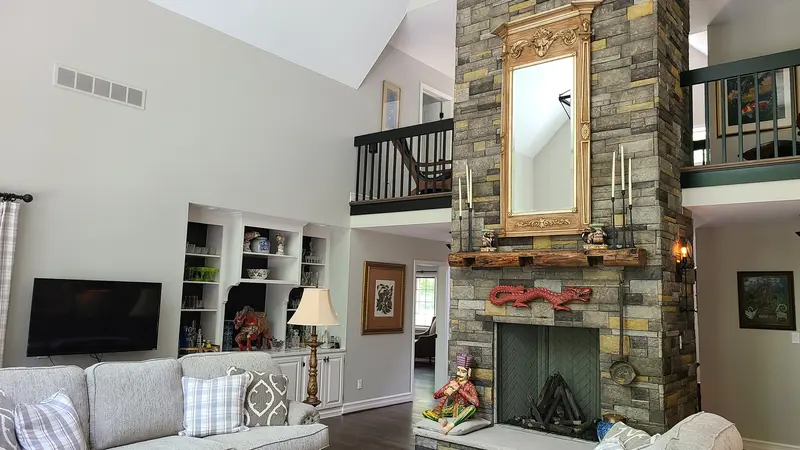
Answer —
684 267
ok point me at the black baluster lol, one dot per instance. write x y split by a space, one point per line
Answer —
707 159
380 163
372 169
444 159
394 173
435 151
358 169
775 114
758 118
739 97
364 175
417 171
386 173
424 172
792 84
724 119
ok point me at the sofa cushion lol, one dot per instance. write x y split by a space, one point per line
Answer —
301 414
34 384
134 401
52 424
629 437
265 402
465 427
8 435
176 443
301 437
213 365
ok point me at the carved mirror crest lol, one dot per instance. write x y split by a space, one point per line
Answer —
545 173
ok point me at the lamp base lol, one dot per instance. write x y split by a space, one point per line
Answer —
312 371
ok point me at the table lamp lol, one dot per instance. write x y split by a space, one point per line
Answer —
315 309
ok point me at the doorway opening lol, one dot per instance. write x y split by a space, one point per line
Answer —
434 104
430 308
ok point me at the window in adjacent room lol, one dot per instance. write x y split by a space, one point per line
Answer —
425 307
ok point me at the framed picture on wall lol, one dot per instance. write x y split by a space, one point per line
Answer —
390 110
383 298
766 300
757 93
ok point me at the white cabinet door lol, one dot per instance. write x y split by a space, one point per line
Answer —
332 381
293 369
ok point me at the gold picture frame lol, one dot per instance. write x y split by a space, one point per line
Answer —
390 106
559 33
383 298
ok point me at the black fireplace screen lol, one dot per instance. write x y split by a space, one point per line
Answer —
528 355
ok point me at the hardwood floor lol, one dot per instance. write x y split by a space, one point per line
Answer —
384 428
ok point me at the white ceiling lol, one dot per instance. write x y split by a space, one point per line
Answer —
432 231
723 215
428 34
339 39
538 113
703 12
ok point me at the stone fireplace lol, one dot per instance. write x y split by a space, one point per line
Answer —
639 48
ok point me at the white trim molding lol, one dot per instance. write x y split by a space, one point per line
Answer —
330 412
752 444
378 402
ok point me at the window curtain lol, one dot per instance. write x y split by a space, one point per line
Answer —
9 216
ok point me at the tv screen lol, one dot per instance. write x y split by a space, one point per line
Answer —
70 317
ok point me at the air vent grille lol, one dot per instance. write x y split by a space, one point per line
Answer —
99 87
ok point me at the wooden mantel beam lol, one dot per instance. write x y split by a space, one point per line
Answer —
624 257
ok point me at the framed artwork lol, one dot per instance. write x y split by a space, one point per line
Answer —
756 93
383 298
766 300
390 111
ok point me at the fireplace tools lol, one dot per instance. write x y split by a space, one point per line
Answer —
621 371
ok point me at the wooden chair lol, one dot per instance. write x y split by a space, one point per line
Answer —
430 177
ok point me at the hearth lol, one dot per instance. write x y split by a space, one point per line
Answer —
548 379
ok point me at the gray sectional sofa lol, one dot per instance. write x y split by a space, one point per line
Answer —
139 405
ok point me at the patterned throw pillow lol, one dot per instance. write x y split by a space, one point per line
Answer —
51 424
266 402
629 437
8 438
213 406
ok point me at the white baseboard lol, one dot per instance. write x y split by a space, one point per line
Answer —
379 402
752 444
330 412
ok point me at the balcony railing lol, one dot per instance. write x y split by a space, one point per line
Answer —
405 169
751 116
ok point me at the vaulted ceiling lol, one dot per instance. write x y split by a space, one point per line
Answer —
339 39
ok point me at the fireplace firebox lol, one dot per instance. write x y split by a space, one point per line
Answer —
548 378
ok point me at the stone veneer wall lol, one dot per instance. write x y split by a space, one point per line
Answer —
639 49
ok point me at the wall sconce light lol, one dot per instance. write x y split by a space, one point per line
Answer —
684 263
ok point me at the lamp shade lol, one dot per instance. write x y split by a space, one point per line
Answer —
315 309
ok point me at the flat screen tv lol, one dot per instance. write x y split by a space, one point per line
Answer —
71 317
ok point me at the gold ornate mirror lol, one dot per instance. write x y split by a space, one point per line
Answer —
545 174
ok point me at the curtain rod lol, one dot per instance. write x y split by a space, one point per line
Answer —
11 197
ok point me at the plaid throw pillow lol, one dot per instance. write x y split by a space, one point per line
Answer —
49 425
266 402
213 406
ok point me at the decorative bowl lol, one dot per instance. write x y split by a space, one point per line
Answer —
258 274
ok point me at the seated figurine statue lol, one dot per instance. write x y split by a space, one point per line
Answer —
459 398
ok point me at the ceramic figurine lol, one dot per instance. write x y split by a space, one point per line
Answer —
489 241
280 239
253 327
249 236
459 397
594 236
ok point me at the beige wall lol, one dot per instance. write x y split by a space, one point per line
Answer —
383 362
225 124
748 376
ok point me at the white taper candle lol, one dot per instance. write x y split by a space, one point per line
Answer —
622 167
613 175
459 198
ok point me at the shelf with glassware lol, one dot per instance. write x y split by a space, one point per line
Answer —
200 296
